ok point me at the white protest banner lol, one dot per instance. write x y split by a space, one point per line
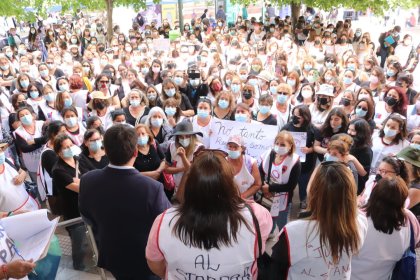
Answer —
300 142
258 138
161 44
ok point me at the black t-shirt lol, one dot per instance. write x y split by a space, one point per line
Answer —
131 119
99 164
309 163
149 162
364 156
63 175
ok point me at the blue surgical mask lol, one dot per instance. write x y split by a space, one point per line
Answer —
347 80
63 87
223 103
351 66
170 92
264 109
415 146
234 154
178 80
390 132
291 83
50 97
68 153
2 158
26 119
202 113
24 83
195 82
143 140
184 142
329 65
235 88
71 122
241 117
144 70
282 99
307 67
228 82
360 113
253 82
135 102
329 157
243 77
390 73
273 89
68 102
95 146
170 111
156 122
43 73
34 94
311 79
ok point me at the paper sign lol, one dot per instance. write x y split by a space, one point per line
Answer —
279 203
257 138
300 142
31 233
161 45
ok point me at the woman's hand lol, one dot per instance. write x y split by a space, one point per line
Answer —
265 189
19 179
306 150
19 268
30 142
180 151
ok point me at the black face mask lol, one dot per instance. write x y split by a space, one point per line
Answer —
323 100
22 104
391 101
345 102
378 177
100 105
247 95
295 120
101 49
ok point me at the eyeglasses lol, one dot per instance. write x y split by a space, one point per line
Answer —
385 172
282 93
362 108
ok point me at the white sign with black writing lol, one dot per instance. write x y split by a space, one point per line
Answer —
300 142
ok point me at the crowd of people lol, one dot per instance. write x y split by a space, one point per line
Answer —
119 130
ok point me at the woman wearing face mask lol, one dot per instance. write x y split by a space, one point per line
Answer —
138 108
74 128
301 122
256 66
389 140
93 149
413 116
389 168
104 84
283 105
66 179
347 102
248 96
348 81
282 159
158 124
63 100
323 104
395 101
236 88
402 51
180 153
44 76
335 123
224 105
307 65
7 72
305 96
245 169
29 140
46 109
22 84
342 45
393 69
101 107
318 50
153 76
150 159
203 120
172 111
360 131
242 113
215 86
293 80
170 90
152 95
264 116
34 97
364 109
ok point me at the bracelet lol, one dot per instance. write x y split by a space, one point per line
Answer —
4 271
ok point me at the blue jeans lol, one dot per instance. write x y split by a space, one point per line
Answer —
281 219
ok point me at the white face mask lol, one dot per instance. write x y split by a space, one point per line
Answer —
184 142
281 151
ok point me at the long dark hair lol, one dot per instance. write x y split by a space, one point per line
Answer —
386 205
326 129
210 215
363 137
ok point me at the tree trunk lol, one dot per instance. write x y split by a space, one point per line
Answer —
295 13
109 31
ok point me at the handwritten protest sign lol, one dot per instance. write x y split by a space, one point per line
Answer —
258 138
300 141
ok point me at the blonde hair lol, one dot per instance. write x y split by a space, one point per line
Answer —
287 137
